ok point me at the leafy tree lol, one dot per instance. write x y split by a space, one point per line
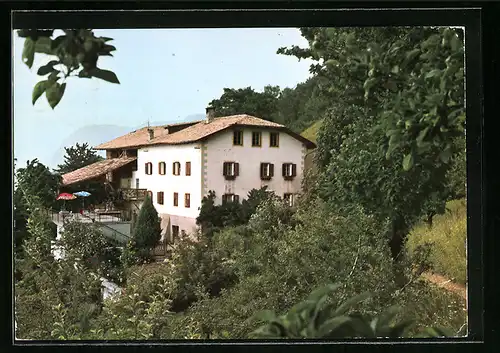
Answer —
405 88
147 230
76 157
36 180
248 101
73 54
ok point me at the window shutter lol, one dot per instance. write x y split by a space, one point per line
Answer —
262 170
173 168
146 168
236 169
283 169
294 170
224 198
224 169
236 198
271 170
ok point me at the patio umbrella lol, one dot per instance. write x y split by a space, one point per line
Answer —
65 196
82 194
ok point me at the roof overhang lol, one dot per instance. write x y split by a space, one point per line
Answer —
95 170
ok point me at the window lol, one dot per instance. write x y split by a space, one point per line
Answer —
238 138
150 194
137 183
187 200
162 168
288 198
256 139
176 199
149 168
176 168
289 171
230 170
188 168
274 139
230 198
175 232
266 171
159 197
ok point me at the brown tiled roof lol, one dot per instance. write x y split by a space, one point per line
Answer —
203 129
96 169
139 137
195 132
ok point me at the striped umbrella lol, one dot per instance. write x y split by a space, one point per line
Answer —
65 196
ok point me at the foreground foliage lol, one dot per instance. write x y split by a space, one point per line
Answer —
73 54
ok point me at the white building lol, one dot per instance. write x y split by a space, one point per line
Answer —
178 164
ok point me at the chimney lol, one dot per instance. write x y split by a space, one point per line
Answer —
151 134
210 114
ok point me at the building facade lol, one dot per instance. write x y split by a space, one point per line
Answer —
178 164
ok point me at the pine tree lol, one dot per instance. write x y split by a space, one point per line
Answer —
147 230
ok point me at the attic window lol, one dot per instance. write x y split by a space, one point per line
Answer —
176 168
148 168
274 139
230 170
266 171
238 138
162 168
256 139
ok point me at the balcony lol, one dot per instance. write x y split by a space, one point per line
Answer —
133 194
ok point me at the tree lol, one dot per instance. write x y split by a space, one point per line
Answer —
390 151
37 180
73 54
147 230
248 101
76 157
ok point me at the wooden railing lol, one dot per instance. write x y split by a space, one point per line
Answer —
133 194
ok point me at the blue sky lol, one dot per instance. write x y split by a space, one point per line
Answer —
165 75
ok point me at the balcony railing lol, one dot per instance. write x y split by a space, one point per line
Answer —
133 194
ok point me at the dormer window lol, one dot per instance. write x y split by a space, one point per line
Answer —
266 171
176 168
230 170
238 138
274 139
162 168
289 171
230 198
148 168
288 198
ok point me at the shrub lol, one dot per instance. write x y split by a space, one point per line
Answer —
147 230
317 318
447 239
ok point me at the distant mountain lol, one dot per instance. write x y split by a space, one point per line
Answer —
96 134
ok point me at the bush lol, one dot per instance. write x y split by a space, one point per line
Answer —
447 239
147 230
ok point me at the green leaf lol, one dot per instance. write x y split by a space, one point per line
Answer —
408 161
421 136
105 75
29 52
331 325
433 73
348 304
47 68
38 90
105 39
43 46
54 93
53 76
409 57
265 315
56 43
445 154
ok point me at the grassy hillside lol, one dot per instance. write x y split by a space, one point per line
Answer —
448 237
311 131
